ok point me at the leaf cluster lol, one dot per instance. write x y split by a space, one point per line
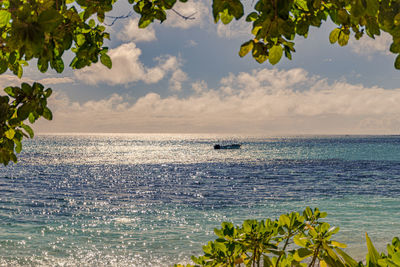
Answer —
27 102
292 240
276 23
46 29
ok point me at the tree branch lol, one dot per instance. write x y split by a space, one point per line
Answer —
190 17
115 18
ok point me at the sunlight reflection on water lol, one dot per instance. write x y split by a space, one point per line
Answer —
153 200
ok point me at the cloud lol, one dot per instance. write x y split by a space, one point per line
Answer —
127 68
191 43
261 101
12 80
193 9
48 81
177 78
199 86
131 32
235 29
368 46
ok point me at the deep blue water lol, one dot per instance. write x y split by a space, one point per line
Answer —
153 200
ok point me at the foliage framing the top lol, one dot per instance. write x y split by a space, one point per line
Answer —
45 29
277 22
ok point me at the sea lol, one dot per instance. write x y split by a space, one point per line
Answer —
154 199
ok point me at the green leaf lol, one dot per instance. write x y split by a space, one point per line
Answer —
26 88
28 129
338 244
395 48
396 258
5 17
144 21
226 17
357 8
307 213
50 19
343 38
302 4
373 255
323 215
161 15
288 53
343 16
302 253
372 7
80 39
252 16
246 48
397 19
92 24
58 65
31 118
349 260
322 263
397 62
333 37
267 262
43 64
236 8
47 114
372 27
48 92
10 133
13 157
37 87
302 28
10 91
275 54
106 60
330 251
18 145
300 241
23 111
12 58
19 71
3 65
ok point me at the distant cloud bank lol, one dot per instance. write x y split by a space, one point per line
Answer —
261 101
12 80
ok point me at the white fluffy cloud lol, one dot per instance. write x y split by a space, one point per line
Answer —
127 68
131 32
177 78
368 46
199 86
262 101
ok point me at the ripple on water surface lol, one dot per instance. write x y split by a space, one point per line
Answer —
137 200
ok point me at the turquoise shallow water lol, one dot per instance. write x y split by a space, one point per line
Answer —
153 200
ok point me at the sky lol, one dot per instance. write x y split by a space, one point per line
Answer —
185 76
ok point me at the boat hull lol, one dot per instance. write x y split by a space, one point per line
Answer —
232 146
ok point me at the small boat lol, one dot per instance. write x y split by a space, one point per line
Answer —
231 146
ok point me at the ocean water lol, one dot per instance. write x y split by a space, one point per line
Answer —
154 200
